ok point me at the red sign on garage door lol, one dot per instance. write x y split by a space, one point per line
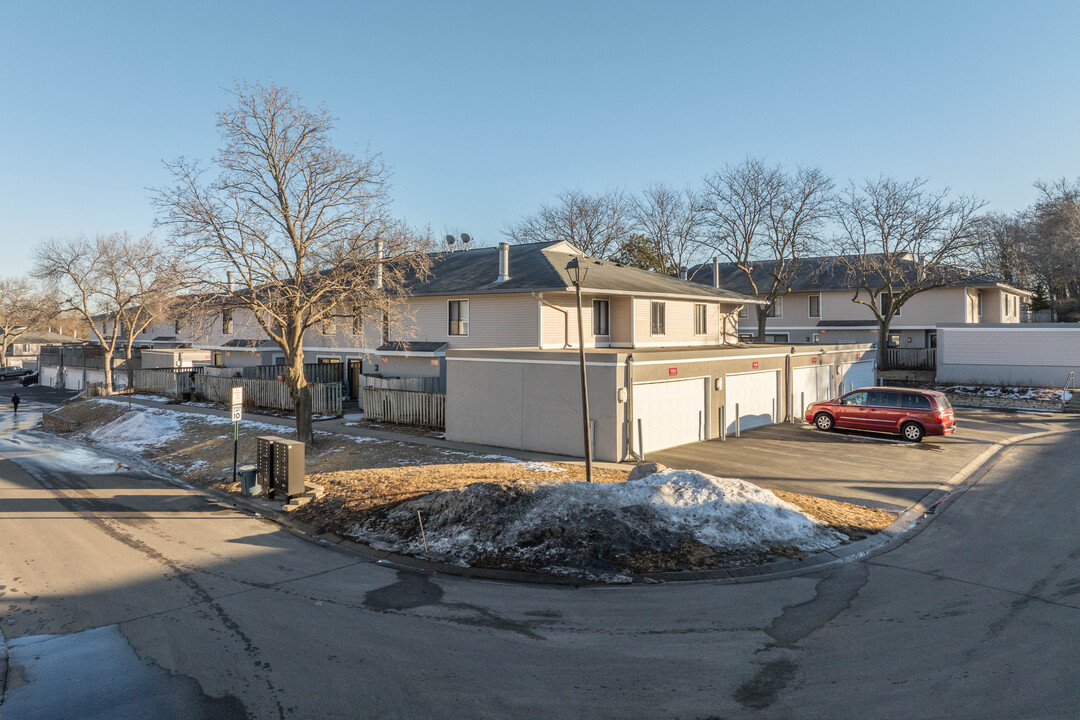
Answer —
673 371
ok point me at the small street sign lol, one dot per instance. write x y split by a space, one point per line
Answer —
237 403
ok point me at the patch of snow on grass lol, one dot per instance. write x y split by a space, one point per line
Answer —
136 430
543 467
584 525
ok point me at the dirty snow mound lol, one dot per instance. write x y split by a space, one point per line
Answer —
554 525
136 430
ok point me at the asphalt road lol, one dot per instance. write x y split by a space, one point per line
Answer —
126 596
860 467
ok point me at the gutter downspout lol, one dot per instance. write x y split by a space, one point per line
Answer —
630 408
566 318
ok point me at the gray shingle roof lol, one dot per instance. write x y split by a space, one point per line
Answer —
539 267
814 274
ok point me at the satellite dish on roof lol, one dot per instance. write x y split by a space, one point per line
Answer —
450 240
465 239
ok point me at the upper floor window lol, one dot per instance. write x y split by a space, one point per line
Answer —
885 300
176 327
701 319
744 312
226 322
328 327
815 306
385 326
600 310
979 302
777 308
658 320
358 319
459 317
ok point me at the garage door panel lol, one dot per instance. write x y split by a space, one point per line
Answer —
811 384
671 413
858 374
753 397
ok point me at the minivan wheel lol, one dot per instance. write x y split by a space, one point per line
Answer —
912 431
823 421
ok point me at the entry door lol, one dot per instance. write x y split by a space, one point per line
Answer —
754 397
671 412
356 368
857 375
809 385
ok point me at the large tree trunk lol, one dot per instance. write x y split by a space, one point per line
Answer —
301 397
762 318
3 355
883 341
108 372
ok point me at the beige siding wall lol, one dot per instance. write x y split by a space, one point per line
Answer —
621 323
494 321
679 322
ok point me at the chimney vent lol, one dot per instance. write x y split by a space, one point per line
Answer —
504 262
230 280
716 272
682 273
378 263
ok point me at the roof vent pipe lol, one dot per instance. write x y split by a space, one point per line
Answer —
230 280
504 262
716 272
378 263
682 273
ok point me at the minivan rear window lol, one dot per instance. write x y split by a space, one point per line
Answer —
915 402
943 402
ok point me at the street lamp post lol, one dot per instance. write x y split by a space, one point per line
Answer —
577 276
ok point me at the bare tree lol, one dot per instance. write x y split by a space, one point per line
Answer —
22 308
1053 239
106 279
598 225
669 221
900 239
1002 245
764 221
305 227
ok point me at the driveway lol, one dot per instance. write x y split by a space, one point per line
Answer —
858 467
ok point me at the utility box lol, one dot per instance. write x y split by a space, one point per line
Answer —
264 462
288 469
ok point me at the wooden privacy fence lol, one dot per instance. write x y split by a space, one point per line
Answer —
910 359
167 381
325 397
405 407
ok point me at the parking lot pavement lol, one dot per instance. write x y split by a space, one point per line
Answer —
33 393
864 468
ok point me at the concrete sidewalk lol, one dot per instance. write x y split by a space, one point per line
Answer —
340 426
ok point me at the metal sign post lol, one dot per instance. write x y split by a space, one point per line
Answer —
237 410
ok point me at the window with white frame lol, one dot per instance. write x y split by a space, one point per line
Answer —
744 312
600 310
979 302
658 319
358 319
328 327
885 300
226 322
701 319
814 302
777 308
459 317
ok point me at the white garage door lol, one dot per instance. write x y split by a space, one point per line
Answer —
671 413
858 374
756 395
811 384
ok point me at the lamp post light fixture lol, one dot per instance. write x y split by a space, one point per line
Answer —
577 274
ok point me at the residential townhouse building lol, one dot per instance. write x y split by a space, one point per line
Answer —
820 306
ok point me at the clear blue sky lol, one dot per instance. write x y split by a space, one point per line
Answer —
485 110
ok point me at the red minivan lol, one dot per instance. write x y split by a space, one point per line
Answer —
900 411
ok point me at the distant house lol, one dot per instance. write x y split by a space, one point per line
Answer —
26 348
819 307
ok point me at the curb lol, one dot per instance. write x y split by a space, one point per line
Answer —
910 523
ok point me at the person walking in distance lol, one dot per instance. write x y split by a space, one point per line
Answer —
15 401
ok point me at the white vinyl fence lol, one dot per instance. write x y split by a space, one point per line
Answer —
165 381
405 407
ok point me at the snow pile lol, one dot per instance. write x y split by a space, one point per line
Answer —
1012 393
592 528
136 430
